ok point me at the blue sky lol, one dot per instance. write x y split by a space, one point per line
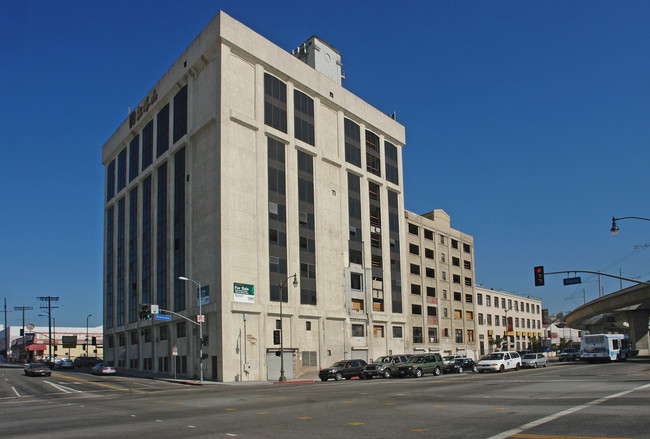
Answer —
527 122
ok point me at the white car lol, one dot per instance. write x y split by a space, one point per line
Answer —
534 360
499 362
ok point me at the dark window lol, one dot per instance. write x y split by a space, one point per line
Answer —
373 161
357 331
468 281
179 229
356 281
468 298
275 103
416 309
303 117
428 253
134 157
454 243
416 289
161 238
397 332
392 165
456 278
110 180
413 229
133 255
147 145
180 114
415 269
417 335
162 131
414 249
109 266
458 296
431 292
306 231
432 311
467 265
428 234
459 335
181 329
146 240
164 332
352 143
467 248
430 272
120 261
455 261
395 264
121 170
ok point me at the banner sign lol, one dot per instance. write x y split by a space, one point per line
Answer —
244 293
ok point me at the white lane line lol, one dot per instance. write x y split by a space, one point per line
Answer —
15 391
63 389
569 411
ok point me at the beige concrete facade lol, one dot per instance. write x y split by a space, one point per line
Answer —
502 314
220 166
441 297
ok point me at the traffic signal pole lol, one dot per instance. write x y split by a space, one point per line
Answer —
600 273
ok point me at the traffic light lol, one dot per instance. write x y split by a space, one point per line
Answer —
539 276
145 314
94 341
276 336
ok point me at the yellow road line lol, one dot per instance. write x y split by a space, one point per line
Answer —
100 384
546 436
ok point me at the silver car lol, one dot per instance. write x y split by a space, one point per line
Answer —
534 360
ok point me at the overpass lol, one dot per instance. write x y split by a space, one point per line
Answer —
630 305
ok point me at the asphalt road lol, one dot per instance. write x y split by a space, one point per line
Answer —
565 400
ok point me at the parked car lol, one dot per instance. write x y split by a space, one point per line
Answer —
66 363
418 365
572 354
103 369
384 366
460 365
37 369
499 362
525 352
343 369
451 358
86 361
534 360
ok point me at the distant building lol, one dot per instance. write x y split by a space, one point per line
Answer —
557 332
515 322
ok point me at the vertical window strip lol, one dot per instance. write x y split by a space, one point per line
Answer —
133 254
179 230
161 238
109 267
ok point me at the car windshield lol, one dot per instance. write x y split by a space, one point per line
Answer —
494 356
338 364
530 356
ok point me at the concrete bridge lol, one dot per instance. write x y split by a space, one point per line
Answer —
624 311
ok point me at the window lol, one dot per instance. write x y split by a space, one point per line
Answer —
489 319
413 229
468 281
517 306
378 331
455 261
467 265
309 358
356 281
444 276
122 339
430 272
470 335
458 314
466 248
428 253
147 335
163 333
428 234
454 243
445 312
468 298
488 300
357 331
444 294
134 157
357 304
303 117
181 330
528 307
134 337
469 315
503 303
392 172
479 299
307 326
414 249
373 161
442 239
417 334
432 311
480 318
496 320
415 269
121 170
397 332
415 289
433 335
456 279
509 304
416 309
147 145
458 296
352 143
443 258
431 292
446 332
180 114
459 335
275 103
162 131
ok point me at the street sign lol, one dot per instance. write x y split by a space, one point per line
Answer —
174 351
154 309
165 317
200 318
572 280
69 341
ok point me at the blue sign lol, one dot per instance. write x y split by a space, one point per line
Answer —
572 280
165 317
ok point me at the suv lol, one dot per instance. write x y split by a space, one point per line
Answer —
343 369
86 361
569 354
500 361
418 365
385 366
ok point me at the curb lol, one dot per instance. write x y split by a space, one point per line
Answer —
294 382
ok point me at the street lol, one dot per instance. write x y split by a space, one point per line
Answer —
563 400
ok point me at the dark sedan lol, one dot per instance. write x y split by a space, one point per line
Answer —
461 365
37 369
343 369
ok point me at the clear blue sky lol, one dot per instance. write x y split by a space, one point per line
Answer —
527 122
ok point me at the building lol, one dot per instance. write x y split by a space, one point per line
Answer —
242 166
441 299
507 321
67 342
559 335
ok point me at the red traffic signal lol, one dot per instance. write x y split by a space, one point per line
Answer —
539 275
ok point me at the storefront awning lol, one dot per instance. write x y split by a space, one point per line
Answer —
36 347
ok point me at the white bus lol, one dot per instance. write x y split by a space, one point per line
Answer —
605 347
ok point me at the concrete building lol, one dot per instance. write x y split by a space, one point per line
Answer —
556 332
243 165
507 321
441 297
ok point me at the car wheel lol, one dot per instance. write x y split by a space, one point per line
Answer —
501 369
338 376
545 364
323 379
481 371
387 373
517 366
418 373
436 371
368 377
474 369
460 370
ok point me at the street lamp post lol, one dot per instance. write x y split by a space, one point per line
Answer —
614 228
89 316
187 279
282 285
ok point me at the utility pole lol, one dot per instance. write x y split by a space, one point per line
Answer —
6 333
49 300
23 308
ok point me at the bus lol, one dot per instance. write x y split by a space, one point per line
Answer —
605 347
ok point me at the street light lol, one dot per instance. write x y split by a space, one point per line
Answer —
614 228
282 285
187 279
86 346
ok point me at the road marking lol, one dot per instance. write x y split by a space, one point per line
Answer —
305 417
544 420
100 384
15 391
262 413
230 410
389 403
191 426
499 408
439 406
420 429
355 423
63 389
